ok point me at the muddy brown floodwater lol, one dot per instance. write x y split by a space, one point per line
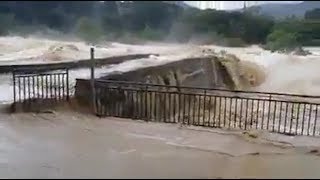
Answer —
67 144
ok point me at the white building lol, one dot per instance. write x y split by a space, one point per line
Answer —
228 5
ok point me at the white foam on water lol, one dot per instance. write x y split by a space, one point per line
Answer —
18 50
284 73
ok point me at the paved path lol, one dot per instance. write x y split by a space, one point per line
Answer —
73 145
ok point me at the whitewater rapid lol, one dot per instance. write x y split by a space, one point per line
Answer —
20 50
284 73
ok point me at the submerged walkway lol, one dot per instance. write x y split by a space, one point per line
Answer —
72 64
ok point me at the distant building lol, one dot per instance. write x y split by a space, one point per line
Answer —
124 7
224 5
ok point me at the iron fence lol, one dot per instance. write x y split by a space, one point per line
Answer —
32 87
275 112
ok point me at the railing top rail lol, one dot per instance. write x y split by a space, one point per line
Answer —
35 70
208 89
40 74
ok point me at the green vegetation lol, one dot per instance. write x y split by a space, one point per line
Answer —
150 34
88 31
93 21
280 40
7 21
313 14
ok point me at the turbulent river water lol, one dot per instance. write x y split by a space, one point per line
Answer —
284 73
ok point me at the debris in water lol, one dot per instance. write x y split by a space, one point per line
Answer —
47 111
251 134
314 151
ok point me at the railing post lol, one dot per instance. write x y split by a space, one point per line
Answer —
146 104
93 92
67 83
14 90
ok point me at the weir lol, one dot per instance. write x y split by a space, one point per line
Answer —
72 64
212 91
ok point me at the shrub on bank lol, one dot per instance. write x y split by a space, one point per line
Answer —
282 41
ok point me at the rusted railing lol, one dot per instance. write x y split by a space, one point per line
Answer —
283 113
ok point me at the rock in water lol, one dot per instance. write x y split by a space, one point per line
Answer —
301 52
58 52
252 134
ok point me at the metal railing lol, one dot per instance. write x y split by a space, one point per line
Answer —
282 113
31 87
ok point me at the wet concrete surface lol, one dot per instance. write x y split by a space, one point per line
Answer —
73 145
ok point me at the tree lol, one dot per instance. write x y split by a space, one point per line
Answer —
313 14
7 22
234 25
88 31
254 10
156 15
281 40
151 34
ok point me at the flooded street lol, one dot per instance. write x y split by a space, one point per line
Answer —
67 144
164 90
